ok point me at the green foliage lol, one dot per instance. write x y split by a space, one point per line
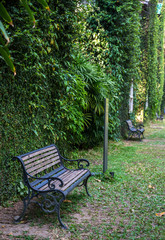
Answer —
112 38
75 57
153 59
4 51
43 103
161 59
98 86
56 96
22 189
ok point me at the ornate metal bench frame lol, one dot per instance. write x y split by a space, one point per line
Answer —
48 180
133 131
159 117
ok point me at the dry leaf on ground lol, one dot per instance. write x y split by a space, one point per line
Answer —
160 214
150 186
66 200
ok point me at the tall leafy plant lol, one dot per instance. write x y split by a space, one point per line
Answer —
4 50
98 86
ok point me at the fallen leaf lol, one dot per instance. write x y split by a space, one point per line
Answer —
98 180
66 200
22 222
160 214
150 186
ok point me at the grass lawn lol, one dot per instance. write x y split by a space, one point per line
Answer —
124 207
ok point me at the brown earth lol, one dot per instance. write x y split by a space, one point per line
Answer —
10 230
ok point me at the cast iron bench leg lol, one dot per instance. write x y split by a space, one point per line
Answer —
59 218
86 187
26 202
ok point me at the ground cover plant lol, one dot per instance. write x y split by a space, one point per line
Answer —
128 206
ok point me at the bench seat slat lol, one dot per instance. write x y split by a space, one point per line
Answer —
73 180
40 185
69 183
61 175
68 178
70 175
50 174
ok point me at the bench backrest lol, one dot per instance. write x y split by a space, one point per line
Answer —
41 160
130 125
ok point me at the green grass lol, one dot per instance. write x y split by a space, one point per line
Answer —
126 207
123 207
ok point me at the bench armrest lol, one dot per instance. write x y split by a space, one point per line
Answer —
49 179
80 162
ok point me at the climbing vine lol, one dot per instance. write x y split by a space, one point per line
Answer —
161 60
152 59
113 39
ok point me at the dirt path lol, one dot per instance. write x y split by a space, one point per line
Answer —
8 228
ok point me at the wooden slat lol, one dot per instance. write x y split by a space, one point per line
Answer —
37 152
53 173
43 164
43 168
61 176
54 152
72 176
40 162
68 179
73 180
42 185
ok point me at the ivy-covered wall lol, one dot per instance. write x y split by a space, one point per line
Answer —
161 78
153 58
57 95
75 57
113 39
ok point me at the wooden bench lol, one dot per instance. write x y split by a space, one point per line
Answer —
135 131
159 117
48 180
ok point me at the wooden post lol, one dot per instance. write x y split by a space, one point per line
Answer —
105 154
